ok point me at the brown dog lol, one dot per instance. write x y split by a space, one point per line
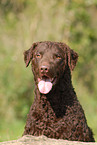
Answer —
56 112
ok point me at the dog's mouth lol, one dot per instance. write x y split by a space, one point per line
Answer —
45 84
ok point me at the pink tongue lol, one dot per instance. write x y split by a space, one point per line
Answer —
44 86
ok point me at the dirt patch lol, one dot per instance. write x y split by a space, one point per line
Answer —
42 140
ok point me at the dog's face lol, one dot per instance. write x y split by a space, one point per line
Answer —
49 60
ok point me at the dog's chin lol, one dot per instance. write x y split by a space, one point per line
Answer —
45 84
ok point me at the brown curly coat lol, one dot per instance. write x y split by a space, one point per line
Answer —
57 114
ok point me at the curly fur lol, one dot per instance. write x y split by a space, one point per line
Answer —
57 114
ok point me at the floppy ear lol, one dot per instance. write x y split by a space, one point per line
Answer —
28 54
72 58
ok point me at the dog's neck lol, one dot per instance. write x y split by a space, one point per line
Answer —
58 93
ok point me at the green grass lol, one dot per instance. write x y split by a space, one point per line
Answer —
11 130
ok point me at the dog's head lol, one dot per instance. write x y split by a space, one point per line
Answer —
49 60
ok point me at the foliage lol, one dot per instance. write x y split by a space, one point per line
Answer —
23 22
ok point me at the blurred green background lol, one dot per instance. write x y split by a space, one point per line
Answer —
23 22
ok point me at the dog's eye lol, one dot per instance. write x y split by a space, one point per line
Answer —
58 56
38 55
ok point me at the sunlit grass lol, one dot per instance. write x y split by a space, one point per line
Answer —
11 130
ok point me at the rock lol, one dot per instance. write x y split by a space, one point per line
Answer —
43 140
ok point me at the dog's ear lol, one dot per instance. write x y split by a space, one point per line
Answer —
72 58
28 54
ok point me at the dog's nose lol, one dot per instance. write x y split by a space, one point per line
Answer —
44 69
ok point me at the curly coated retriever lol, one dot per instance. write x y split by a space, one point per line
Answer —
56 111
